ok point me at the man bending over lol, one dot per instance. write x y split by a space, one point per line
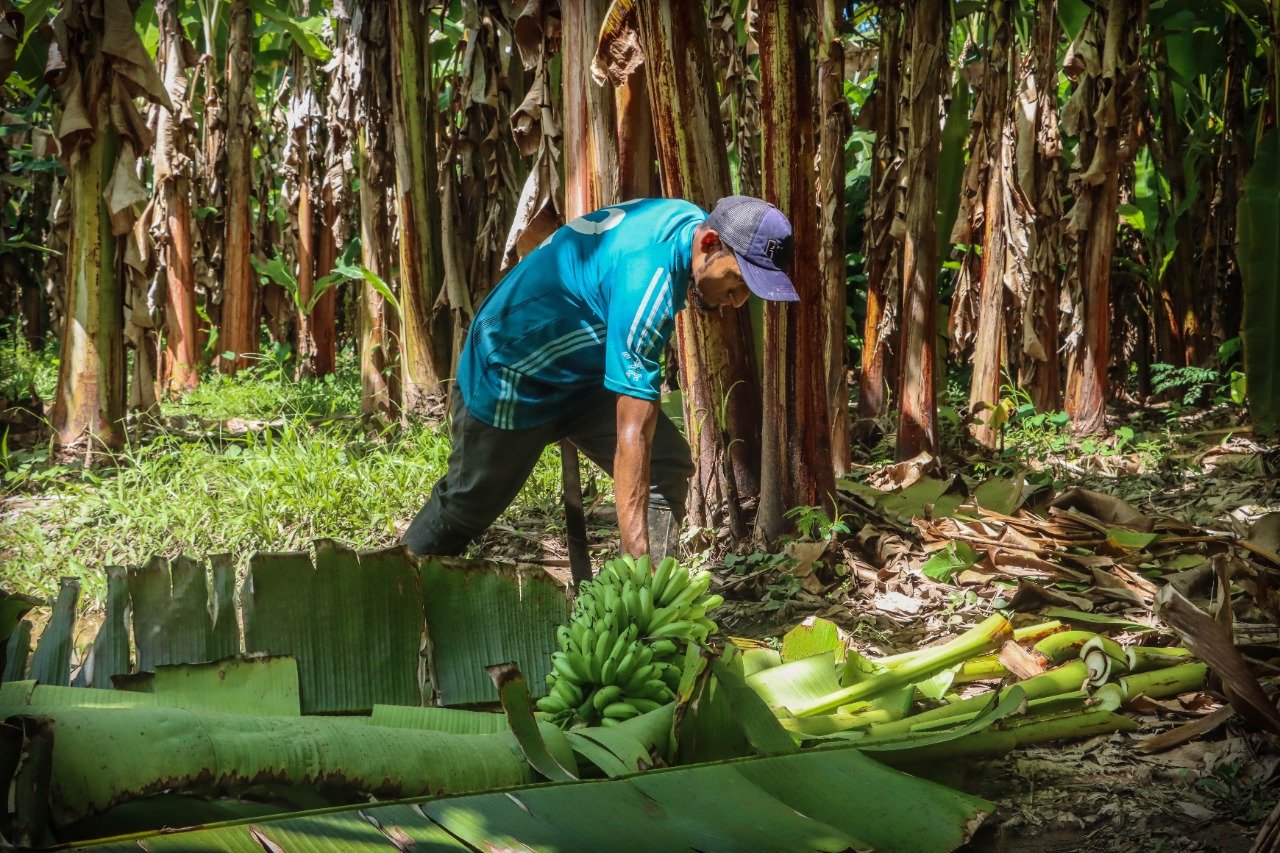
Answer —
567 346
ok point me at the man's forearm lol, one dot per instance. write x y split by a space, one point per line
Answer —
636 422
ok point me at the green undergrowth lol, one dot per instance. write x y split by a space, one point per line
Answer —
200 492
268 390
24 370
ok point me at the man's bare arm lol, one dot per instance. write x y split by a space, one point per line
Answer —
637 420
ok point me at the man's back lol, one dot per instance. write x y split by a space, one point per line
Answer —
591 307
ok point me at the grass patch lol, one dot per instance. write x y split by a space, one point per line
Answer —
276 491
267 390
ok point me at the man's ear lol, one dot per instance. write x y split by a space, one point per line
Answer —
709 239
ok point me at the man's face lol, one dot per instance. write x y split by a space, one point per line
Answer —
718 282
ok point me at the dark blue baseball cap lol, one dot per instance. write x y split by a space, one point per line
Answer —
760 236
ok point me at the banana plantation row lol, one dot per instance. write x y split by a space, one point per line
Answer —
1047 192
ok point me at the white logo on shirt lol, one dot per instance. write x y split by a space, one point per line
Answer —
613 218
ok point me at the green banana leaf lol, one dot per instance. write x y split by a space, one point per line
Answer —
633 745
51 662
16 693
450 720
152 749
482 613
951 156
16 651
798 682
172 621
12 609
830 799
756 659
261 686
705 725
761 727
513 693
353 621
1259 255
258 685
813 636
109 654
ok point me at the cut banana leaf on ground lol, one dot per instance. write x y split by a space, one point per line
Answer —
483 613
451 720
160 749
266 686
172 618
797 683
830 800
51 662
354 622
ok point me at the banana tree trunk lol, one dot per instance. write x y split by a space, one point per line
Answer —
304 222
994 128
883 252
928 32
590 144
324 316
173 157
1234 158
426 345
637 176
99 129
718 372
833 132
1040 179
241 299
371 133
795 467
1104 112
90 403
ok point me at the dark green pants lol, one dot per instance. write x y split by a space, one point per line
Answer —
488 466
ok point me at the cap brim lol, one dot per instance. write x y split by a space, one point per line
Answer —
773 285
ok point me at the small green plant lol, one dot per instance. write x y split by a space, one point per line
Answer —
1194 384
812 522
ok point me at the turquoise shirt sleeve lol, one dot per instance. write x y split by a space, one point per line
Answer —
641 318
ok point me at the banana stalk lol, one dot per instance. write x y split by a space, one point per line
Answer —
1065 645
1147 658
1068 678
1022 636
1155 684
1004 737
1104 657
990 634
982 668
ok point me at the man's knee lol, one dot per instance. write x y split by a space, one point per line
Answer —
433 534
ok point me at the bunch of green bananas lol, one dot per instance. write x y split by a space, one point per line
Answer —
620 653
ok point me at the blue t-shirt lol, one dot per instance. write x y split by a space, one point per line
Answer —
594 305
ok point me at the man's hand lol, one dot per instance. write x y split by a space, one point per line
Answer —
637 420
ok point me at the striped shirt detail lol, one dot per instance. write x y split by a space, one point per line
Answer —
558 348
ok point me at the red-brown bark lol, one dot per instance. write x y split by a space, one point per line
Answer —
717 356
1106 115
241 299
796 444
833 132
928 31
